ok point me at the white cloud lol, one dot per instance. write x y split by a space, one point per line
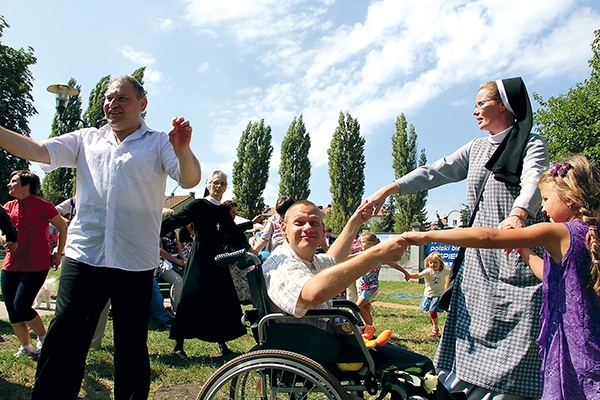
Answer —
208 12
163 24
396 58
136 56
203 68
555 53
406 53
152 76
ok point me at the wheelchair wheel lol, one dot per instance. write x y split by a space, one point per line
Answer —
271 375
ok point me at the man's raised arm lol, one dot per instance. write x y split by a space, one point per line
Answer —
340 249
23 147
180 137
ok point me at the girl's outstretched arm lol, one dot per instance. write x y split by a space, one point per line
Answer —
407 275
554 237
535 262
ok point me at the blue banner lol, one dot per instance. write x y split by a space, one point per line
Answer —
448 251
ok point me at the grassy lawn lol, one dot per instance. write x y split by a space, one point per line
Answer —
410 329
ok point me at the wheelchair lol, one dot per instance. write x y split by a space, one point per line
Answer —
300 361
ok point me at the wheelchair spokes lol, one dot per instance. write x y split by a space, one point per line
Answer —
271 375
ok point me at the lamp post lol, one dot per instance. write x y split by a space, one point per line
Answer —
62 92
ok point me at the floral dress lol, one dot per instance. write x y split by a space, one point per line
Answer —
368 284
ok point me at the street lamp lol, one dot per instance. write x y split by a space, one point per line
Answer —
62 92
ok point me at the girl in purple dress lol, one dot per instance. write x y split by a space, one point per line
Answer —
569 340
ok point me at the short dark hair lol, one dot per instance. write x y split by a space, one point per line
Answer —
230 204
139 90
282 205
28 178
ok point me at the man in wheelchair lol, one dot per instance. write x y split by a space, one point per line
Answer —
298 280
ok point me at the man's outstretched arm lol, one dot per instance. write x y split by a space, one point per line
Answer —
23 147
332 281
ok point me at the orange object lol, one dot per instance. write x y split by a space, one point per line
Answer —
383 337
368 332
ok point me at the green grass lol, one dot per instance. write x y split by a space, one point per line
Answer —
410 329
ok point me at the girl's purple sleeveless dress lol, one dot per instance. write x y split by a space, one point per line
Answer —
570 317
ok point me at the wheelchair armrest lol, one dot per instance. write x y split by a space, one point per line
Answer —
343 303
332 313
348 305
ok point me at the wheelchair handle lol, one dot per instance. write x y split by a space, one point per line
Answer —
241 258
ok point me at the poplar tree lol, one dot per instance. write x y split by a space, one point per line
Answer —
346 171
16 101
409 208
94 115
251 169
294 169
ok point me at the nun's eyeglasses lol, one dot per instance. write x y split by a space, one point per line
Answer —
479 105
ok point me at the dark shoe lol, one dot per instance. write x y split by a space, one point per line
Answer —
180 354
225 351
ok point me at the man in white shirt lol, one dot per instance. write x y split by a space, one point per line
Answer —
297 279
111 249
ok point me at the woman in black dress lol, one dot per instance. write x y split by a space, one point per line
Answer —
219 319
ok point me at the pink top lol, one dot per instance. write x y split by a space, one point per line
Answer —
273 232
30 216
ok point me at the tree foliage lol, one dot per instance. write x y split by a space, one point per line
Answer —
139 75
465 215
346 171
94 114
570 123
59 184
16 101
251 169
410 208
294 169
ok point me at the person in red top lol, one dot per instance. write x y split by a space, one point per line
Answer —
26 268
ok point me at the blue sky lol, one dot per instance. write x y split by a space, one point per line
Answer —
222 64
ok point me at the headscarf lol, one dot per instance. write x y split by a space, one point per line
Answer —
507 161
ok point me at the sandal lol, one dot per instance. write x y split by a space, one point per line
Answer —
435 333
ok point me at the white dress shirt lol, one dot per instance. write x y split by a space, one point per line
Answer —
120 194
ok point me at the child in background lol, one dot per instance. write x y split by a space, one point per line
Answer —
569 340
368 284
436 281
351 291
